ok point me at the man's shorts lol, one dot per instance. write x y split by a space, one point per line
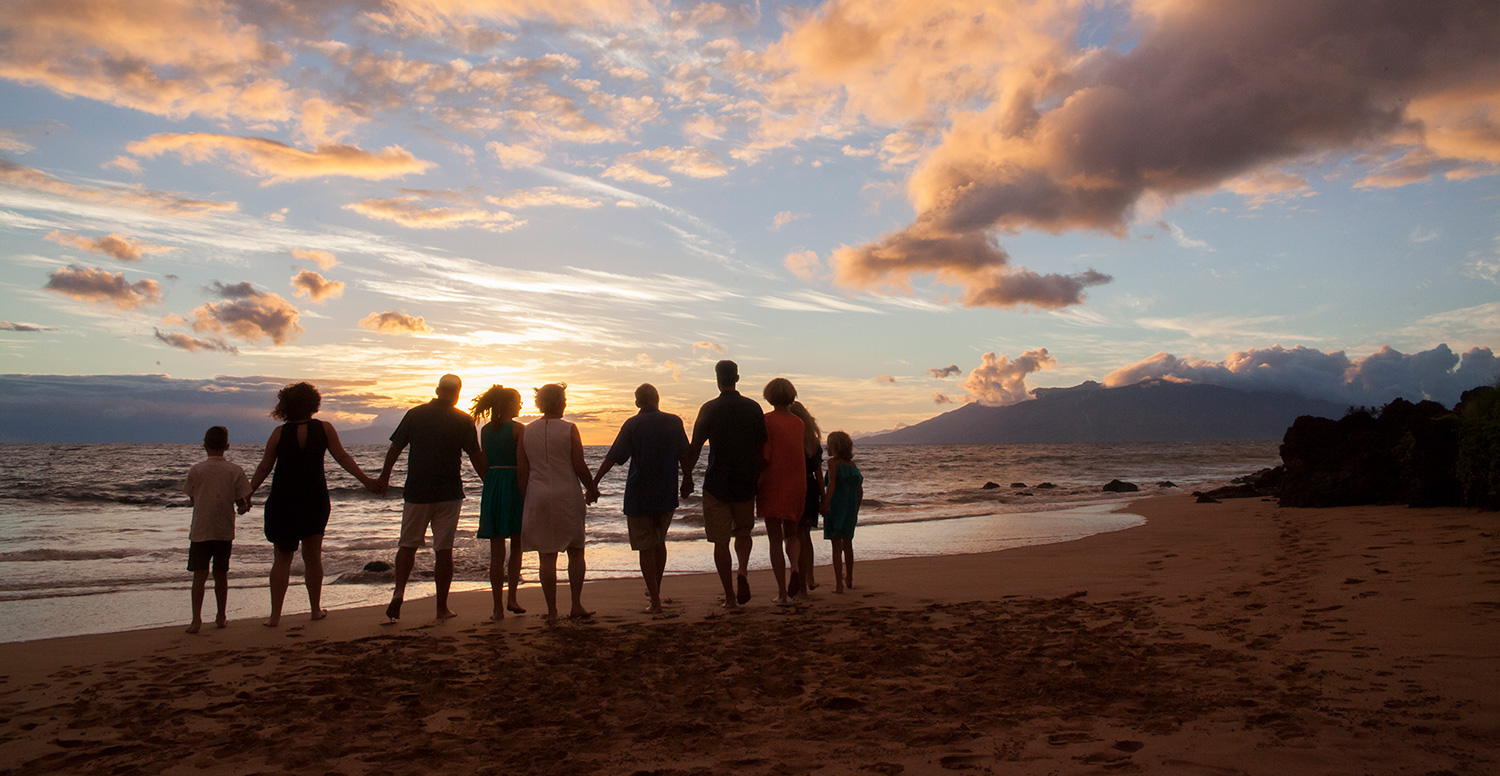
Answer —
648 531
200 553
723 519
442 516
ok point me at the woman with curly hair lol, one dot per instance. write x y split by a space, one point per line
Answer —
556 487
297 509
500 507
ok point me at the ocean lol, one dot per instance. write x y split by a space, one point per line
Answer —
93 537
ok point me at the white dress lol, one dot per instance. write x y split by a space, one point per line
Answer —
552 517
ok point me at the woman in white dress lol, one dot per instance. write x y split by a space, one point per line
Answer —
555 487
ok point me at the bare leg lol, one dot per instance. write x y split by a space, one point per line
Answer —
848 563
576 570
793 545
742 547
406 557
221 596
661 566
546 563
281 571
838 564
312 575
497 577
652 576
442 572
513 570
778 561
200 581
806 562
726 573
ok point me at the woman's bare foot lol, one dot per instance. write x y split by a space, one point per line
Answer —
195 627
393 611
221 622
515 608
551 618
728 603
811 585
445 614
498 614
580 614
318 615
273 622
652 609
839 589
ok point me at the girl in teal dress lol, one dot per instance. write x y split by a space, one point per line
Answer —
500 507
844 491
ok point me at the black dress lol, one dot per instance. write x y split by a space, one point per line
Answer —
814 493
298 505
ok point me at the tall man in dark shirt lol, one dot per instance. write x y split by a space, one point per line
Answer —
735 428
655 445
437 432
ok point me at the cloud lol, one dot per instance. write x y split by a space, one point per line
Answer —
24 327
1263 186
408 211
118 246
136 198
1438 374
324 259
1183 240
938 397
803 264
972 261
194 344
394 322
886 380
712 347
543 196
692 162
447 16
998 381
249 314
11 143
515 157
277 162
785 217
97 286
947 371
315 287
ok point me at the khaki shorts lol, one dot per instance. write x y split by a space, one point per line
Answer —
648 531
442 516
723 519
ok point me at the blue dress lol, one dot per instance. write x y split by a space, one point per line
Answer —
843 505
500 506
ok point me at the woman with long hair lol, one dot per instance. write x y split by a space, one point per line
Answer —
500 506
812 448
296 512
555 488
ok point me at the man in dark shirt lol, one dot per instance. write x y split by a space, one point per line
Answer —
735 428
655 445
437 432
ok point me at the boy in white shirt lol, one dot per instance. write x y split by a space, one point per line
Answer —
216 489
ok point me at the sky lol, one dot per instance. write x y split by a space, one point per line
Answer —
900 205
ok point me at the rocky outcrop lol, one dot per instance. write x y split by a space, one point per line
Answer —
1119 486
1403 453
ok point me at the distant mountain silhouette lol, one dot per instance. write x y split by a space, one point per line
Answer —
1150 411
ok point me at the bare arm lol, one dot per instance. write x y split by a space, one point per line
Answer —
479 462
523 469
604 467
391 456
833 475
581 467
336 449
266 461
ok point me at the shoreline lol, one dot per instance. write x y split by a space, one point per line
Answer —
1217 638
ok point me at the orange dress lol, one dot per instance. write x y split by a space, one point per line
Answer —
783 483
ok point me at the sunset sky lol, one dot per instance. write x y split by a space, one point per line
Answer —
900 205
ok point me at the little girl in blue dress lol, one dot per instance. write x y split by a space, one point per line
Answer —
841 497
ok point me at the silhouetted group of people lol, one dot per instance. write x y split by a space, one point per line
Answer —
537 487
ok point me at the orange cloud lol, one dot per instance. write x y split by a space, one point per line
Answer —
132 197
278 162
249 314
409 211
514 157
194 344
315 287
394 322
97 286
445 16
692 162
785 217
543 196
118 246
710 347
323 259
803 264
998 381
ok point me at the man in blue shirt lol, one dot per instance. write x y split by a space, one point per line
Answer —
655 444
734 427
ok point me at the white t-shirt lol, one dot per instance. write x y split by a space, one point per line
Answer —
214 484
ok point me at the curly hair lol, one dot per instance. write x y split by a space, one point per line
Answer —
552 398
498 402
840 445
298 401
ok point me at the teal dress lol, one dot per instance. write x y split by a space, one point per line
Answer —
843 505
500 507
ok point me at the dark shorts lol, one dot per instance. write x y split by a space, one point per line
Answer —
200 553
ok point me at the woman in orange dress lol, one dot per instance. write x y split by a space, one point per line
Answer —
783 484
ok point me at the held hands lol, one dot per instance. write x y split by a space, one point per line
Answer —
687 485
242 506
591 495
374 486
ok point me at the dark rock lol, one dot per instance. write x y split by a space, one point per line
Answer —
1166 484
1207 499
1018 484
990 486
1117 486
1045 486
377 566
1401 453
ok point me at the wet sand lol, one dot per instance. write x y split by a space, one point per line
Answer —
1215 639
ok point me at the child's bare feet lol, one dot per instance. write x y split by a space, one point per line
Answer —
318 615
498 614
221 622
273 622
393 611
195 627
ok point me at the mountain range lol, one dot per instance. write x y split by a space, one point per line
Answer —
1149 411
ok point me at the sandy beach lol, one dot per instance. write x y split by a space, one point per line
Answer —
1217 639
